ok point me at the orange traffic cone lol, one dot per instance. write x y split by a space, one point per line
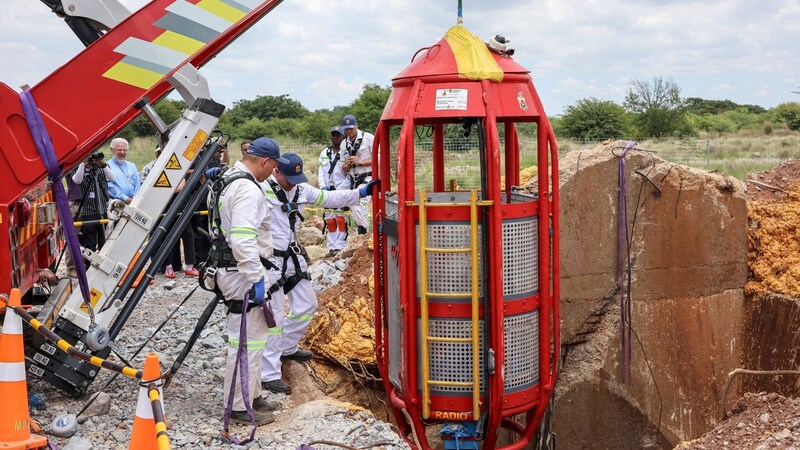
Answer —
144 426
15 429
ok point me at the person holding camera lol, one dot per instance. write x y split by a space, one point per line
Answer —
330 178
358 166
93 176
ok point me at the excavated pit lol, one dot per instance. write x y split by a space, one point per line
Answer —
688 266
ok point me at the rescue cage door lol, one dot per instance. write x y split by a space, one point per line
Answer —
446 159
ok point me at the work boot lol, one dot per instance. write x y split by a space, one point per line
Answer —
362 230
262 404
261 417
277 386
299 355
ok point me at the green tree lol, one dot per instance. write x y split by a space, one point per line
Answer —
315 127
168 110
266 107
592 119
788 113
251 129
368 107
657 104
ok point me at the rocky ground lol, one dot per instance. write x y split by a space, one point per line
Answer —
757 421
193 401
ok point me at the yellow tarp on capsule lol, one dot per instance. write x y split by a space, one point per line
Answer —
473 58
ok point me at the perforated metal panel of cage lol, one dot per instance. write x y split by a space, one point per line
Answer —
451 273
452 361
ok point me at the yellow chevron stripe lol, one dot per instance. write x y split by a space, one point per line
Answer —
132 75
178 42
222 10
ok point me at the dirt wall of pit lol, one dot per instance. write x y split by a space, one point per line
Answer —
688 266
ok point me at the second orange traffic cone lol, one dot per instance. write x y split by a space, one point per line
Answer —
15 429
144 426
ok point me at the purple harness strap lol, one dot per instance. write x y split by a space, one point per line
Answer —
624 268
241 363
46 151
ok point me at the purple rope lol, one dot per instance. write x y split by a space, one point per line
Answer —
624 269
241 363
269 317
46 151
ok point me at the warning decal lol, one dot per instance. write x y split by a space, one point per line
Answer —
173 163
163 181
94 296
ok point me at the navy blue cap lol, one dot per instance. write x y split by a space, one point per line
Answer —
349 121
337 129
292 168
265 147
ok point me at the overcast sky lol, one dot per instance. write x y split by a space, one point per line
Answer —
321 52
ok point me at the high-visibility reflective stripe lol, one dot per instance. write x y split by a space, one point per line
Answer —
178 42
301 317
222 10
276 331
320 199
244 231
143 408
251 345
12 371
270 193
199 16
13 323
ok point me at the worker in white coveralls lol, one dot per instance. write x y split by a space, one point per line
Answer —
358 166
245 218
330 178
287 192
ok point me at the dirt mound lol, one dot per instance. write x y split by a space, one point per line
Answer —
773 233
757 421
343 330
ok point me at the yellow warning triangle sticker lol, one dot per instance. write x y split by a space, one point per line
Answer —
163 181
94 296
173 163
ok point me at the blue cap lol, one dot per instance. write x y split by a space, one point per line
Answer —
337 129
265 147
349 121
292 168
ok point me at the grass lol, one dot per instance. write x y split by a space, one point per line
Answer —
735 154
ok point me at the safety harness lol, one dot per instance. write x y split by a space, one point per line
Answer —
294 251
333 161
220 255
356 180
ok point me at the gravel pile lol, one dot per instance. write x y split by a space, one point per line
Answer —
193 401
757 422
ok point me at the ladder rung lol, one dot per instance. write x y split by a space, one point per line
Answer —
448 250
440 205
450 383
449 294
445 339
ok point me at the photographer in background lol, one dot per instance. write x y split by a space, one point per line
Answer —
93 176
